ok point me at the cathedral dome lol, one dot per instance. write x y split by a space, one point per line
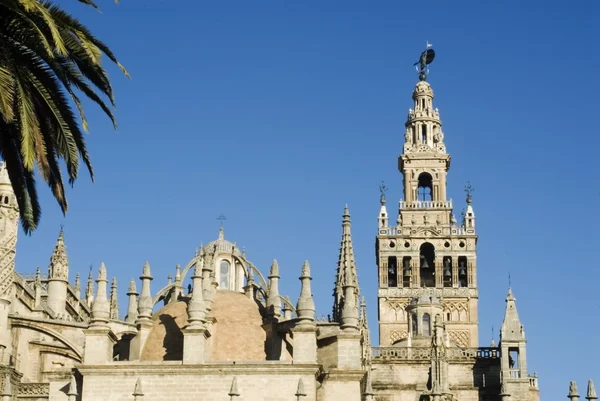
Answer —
236 335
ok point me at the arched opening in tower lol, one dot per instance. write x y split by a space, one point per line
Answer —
392 271
427 268
425 187
462 271
447 271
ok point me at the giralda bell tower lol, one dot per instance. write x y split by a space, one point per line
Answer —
427 256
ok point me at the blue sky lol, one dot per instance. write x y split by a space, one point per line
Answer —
277 113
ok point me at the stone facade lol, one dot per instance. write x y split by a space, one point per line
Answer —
231 335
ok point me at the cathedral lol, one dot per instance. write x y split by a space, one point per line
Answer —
231 335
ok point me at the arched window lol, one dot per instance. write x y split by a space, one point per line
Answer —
224 275
424 133
427 267
426 324
425 187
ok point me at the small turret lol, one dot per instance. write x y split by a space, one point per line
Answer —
469 216
512 342
383 214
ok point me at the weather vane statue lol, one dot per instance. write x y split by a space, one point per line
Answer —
382 190
426 58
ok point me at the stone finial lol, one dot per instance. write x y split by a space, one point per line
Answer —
233 390
89 289
132 308
114 302
131 288
300 392
196 306
573 394
145 300
77 285
591 391
305 308
72 389
273 299
274 272
59 262
101 306
178 273
137 391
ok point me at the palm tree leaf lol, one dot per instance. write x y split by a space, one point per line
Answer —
26 196
34 6
20 19
68 22
7 94
28 123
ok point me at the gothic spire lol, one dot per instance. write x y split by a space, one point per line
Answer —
114 302
346 268
59 262
512 329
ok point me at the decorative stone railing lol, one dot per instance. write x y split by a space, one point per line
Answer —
416 354
425 204
33 390
409 292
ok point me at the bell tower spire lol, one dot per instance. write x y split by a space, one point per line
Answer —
427 253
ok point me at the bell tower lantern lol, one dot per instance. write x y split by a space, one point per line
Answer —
427 251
